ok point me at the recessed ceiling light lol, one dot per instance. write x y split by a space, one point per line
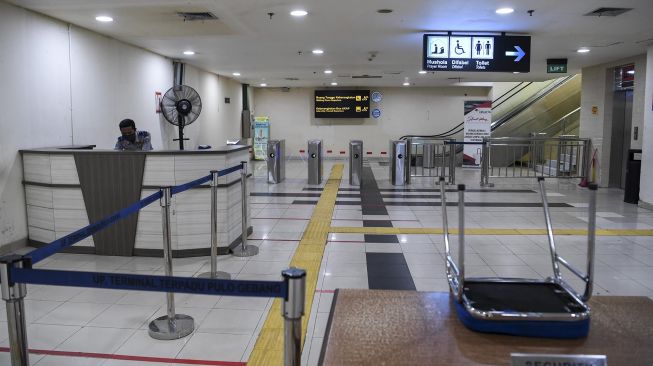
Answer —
406 84
583 50
189 53
515 72
631 72
504 11
298 13
236 74
422 72
263 84
104 18
334 84
328 71
317 51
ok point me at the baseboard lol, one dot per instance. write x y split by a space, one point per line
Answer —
646 205
13 246
180 253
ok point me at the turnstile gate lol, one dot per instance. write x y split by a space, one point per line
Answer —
398 162
276 161
355 162
314 161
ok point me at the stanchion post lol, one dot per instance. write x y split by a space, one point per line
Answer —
292 311
214 273
244 250
14 294
170 326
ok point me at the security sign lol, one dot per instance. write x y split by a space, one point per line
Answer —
452 52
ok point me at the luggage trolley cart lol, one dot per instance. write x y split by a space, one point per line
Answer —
548 308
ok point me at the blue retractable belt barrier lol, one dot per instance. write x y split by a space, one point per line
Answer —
83 233
38 255
120 281
184 187
234 168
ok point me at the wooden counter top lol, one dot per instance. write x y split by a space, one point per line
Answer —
372 327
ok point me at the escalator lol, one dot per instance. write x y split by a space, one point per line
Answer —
548 109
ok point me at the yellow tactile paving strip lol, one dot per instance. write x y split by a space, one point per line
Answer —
472 231
268 349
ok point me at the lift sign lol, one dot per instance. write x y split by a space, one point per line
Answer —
445 52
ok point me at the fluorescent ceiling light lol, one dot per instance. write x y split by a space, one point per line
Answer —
583 50
631 72
298 13
328 71
334 84
422 72
263 84
317 51
104 18
504 11
189 53
515 72
406 84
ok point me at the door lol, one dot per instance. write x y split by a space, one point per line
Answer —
622 115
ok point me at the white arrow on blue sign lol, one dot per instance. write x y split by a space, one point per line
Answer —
520 53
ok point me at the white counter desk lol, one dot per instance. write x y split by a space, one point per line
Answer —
66 189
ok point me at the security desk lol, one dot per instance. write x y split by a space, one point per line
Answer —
66 189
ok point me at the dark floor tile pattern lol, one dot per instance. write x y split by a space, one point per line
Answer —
388 271
371 200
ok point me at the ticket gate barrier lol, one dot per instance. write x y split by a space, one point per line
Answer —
276 158
399 162
355 162
314 161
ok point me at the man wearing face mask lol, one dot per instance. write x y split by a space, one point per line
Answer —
132 139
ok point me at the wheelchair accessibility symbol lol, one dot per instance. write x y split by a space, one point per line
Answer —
460 47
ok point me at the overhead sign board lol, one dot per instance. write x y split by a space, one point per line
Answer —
449 52
556 65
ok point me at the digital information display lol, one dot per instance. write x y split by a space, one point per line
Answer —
342 104
444 52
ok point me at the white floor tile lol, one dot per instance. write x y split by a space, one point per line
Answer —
221 347
230 321
97 340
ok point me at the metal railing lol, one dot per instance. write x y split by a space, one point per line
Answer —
16 271
432 157
515 157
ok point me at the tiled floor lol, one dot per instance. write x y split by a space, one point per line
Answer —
115 322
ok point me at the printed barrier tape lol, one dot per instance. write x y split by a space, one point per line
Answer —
121 281
38 255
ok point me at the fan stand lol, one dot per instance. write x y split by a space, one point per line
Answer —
181 133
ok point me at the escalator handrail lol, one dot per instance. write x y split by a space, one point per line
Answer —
525 105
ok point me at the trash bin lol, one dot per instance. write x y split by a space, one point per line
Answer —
355 162
314 161
276 161
633 170
398 163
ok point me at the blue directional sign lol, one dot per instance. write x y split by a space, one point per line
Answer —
469 52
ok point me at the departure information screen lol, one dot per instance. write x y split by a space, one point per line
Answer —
342 104
445 52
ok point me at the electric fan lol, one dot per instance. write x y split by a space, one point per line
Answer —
181 105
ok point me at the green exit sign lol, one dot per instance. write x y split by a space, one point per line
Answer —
556 66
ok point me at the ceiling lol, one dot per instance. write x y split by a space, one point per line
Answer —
277 49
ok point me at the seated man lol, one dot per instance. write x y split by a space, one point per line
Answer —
131 139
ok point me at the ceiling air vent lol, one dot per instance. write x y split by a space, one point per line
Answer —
366 76
197 16
291 79
607 12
